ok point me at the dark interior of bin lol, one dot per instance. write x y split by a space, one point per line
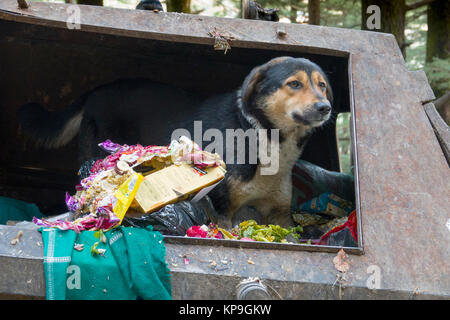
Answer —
54 66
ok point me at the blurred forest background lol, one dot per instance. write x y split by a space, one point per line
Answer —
421 27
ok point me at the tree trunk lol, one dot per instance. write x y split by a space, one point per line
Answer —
392 17
314 12
438 45
183 6
292 12
91 2
438 34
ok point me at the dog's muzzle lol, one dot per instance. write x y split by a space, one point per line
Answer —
322 108
314 115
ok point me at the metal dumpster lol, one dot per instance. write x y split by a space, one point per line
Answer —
402 175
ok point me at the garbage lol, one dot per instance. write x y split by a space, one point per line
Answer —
126 193
78 246
342 235
328 220
248 231
166 187
175 183
310 181
175 219
309 219
329 204
16 239
267 233
137 178
204 231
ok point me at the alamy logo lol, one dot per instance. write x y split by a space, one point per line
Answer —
374 280
73 277
373 21
260 150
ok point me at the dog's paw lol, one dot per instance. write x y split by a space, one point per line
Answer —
224 222
281 217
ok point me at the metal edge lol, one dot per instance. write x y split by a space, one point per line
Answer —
258 245
355 156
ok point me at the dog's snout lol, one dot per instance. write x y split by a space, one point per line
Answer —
322 107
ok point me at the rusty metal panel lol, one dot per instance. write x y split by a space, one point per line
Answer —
403 176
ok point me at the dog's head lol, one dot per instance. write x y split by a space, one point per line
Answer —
287 93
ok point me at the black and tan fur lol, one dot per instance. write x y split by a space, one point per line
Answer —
289 94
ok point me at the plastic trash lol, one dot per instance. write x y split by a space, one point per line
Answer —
175 219
344 235
309 181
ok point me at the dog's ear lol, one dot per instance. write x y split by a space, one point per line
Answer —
251 83
256 76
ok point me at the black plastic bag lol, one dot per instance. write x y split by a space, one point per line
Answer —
342 238
175 219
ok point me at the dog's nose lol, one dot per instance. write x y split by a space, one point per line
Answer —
323 107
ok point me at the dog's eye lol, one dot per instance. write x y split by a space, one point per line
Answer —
294 84
322 84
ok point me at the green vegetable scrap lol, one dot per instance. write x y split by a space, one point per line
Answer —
97 251
267 233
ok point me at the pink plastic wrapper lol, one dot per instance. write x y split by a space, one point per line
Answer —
110 146
204 232
71 203
196 232
103 221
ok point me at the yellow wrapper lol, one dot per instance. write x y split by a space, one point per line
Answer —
125 194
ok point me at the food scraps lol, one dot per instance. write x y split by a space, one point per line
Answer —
78 246
246 231
210 231
16 239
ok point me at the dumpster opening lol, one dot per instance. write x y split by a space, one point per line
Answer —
62 64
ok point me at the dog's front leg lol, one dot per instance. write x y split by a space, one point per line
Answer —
281 216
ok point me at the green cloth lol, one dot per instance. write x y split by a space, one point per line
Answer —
133 265
12 209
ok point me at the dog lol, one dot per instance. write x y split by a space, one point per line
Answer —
289 96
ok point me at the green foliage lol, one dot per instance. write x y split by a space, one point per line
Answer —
343 136
416 36
341 13
333 13
438 71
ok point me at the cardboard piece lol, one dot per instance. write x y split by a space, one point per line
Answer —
173 184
